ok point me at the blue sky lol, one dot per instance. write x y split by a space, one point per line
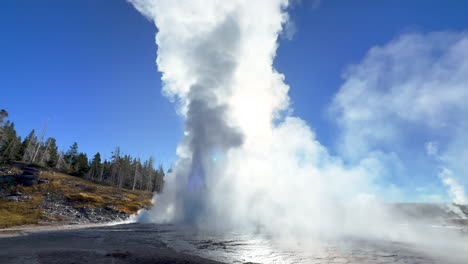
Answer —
338 34
88 66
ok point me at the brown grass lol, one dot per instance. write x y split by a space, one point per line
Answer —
20 213
85 198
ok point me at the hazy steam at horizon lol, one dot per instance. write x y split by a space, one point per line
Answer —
246 161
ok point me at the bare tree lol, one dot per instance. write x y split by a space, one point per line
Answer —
101 173
136 174
30 141
39 143
45 153
115 166
62 164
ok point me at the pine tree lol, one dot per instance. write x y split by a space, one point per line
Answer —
9 145
80 166
3 115
96 167
123 171
72 154
51 155
159 180
104 176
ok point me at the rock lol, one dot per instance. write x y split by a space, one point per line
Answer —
16 193
109 208
17 197
13 198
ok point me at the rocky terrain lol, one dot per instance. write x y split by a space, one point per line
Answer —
61 210
19 173
29 195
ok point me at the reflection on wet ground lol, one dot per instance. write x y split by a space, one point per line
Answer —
242 248
149 243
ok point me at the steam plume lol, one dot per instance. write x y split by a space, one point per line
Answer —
245 160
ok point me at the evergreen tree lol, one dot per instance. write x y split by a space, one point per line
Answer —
9 144
96 167
104 176
3 115
51 154
159 181
72 154
123 171
80 166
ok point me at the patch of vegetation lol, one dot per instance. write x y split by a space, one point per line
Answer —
20 213
9 170
85 198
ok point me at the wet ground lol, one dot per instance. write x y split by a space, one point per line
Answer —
141 243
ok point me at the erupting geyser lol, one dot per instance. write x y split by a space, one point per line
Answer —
216 59
245 161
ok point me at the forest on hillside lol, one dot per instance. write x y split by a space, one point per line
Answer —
122 170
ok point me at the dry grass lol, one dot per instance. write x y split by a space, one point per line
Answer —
20 213
8 170
77 191
85 198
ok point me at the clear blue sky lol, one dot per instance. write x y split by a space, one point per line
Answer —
88 66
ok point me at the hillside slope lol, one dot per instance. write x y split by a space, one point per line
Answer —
56 198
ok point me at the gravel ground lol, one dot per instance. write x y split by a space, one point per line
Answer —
95 245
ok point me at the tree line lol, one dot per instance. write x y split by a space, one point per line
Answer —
121 170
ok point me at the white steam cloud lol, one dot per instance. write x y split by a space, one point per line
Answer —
245 161
411 92
457 191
